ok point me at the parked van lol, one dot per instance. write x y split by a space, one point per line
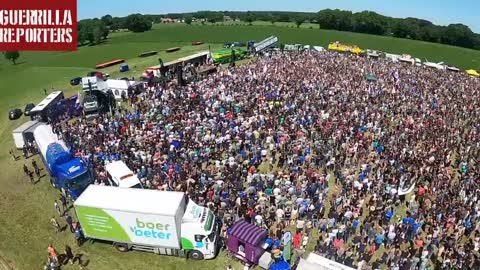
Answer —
119 175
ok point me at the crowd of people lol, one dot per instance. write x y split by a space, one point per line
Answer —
385 169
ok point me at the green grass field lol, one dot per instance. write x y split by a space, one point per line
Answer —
25 209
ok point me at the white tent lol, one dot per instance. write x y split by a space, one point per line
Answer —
440 66
393 57
121 86
373 53
317 262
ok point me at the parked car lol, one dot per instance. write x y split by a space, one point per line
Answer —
98 74
28 108
76 81
14 114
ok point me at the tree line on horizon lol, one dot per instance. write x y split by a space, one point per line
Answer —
368 22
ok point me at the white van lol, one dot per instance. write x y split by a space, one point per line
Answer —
120 175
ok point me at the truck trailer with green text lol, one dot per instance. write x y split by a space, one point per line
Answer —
163 222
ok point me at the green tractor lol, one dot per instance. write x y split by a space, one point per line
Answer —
225 56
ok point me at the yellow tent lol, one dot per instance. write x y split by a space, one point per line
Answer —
473 72
357 50
337 47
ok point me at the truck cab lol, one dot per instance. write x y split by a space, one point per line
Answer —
199 232
72 178
90 106
67 174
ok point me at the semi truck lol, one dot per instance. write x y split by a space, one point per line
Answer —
265 44
162 222
92 88
67 173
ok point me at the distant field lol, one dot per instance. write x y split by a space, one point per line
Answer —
25 209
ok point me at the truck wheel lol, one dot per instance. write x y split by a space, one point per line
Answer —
195 255
121 247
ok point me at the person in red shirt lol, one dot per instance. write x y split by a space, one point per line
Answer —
338 243
421 191
52 252
297 239
210 194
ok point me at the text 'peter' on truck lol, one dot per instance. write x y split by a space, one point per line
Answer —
163 222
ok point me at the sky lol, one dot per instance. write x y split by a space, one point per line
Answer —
442 12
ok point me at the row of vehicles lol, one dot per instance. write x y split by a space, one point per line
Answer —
122 212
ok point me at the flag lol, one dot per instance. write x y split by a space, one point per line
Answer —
209 56
287 246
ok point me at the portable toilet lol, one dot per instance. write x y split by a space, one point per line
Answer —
123 67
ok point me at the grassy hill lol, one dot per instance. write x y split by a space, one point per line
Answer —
25 209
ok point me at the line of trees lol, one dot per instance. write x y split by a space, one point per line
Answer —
91 31
361 22
373 23
134 22
94 31
369 22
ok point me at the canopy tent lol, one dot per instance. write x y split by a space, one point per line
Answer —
317 262
248 233
370 77
280 265
373 53
452 68
472 72
245 241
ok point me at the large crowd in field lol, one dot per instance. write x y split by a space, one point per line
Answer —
380 158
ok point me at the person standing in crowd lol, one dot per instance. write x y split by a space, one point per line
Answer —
35 168
55 224
68 255
57 208
30 176
69 221
79 237
64 202
12 154
25 151
52 252
25 170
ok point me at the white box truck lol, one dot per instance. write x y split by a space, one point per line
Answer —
163 222
21 135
